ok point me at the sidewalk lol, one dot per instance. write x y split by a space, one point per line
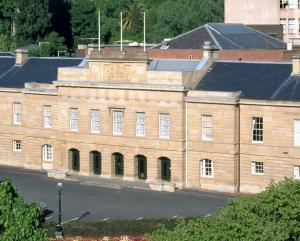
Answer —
115 183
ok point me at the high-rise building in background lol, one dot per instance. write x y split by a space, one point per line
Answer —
274 17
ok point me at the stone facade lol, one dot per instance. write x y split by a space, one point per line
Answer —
123 83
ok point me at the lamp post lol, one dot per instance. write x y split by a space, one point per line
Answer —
59 229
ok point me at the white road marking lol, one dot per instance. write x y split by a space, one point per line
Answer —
139 218
73 219
174 217
105 219
48 217
208 215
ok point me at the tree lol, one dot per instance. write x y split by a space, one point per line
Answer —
133 16
19 220
271 215
7 10
61 19
50 47
32 20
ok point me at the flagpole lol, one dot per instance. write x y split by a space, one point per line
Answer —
99 30
144 31
121 32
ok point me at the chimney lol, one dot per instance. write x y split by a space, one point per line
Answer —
209 51
296 64
21 56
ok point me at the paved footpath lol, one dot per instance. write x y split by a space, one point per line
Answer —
106 203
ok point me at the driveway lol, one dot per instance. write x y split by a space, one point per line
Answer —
107 203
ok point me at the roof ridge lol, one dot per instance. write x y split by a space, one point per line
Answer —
261 33
76 58
207 26
253 62
183 34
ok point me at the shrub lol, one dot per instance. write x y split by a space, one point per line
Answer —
271 215
19 220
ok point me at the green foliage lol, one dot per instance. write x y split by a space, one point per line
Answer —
113 228
271 215
50 47
6 43
32 20
19 220
29 21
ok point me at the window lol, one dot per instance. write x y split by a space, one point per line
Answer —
257 168
17 145
95 121
297 132
17 113
257 129
47 123
117 122
292 26
47 153
283 22
140 124
207 133
296 172
73 119
207 168
164 125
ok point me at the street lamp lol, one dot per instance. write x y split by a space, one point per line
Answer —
59 229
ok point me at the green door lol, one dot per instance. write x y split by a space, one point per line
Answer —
96 163
75 160
119 164
165 169
142 167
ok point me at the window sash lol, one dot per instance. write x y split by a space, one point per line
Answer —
17 145
47 153
47 120
117 122
257 129
297 132
257 168
164 126
207 125
74 119
17 113
207 168
95 121
140 124
296 172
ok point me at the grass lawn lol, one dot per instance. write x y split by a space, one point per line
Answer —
116 228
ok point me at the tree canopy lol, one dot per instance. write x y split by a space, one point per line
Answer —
271 215
30 21
19 220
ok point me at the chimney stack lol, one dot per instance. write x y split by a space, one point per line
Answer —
209 51
21 56
296 64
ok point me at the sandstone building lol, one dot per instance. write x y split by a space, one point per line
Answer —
230 126
267 15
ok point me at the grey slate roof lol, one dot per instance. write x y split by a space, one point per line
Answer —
174 65
261 81
39 70
6 54
224 36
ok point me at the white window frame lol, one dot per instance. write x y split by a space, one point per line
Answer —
73 119
164 126
255 131
117 122
17 113
17 145
207 168
140 129
297 172
47 117
255 167
207 127
297 132
47 152
95 121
